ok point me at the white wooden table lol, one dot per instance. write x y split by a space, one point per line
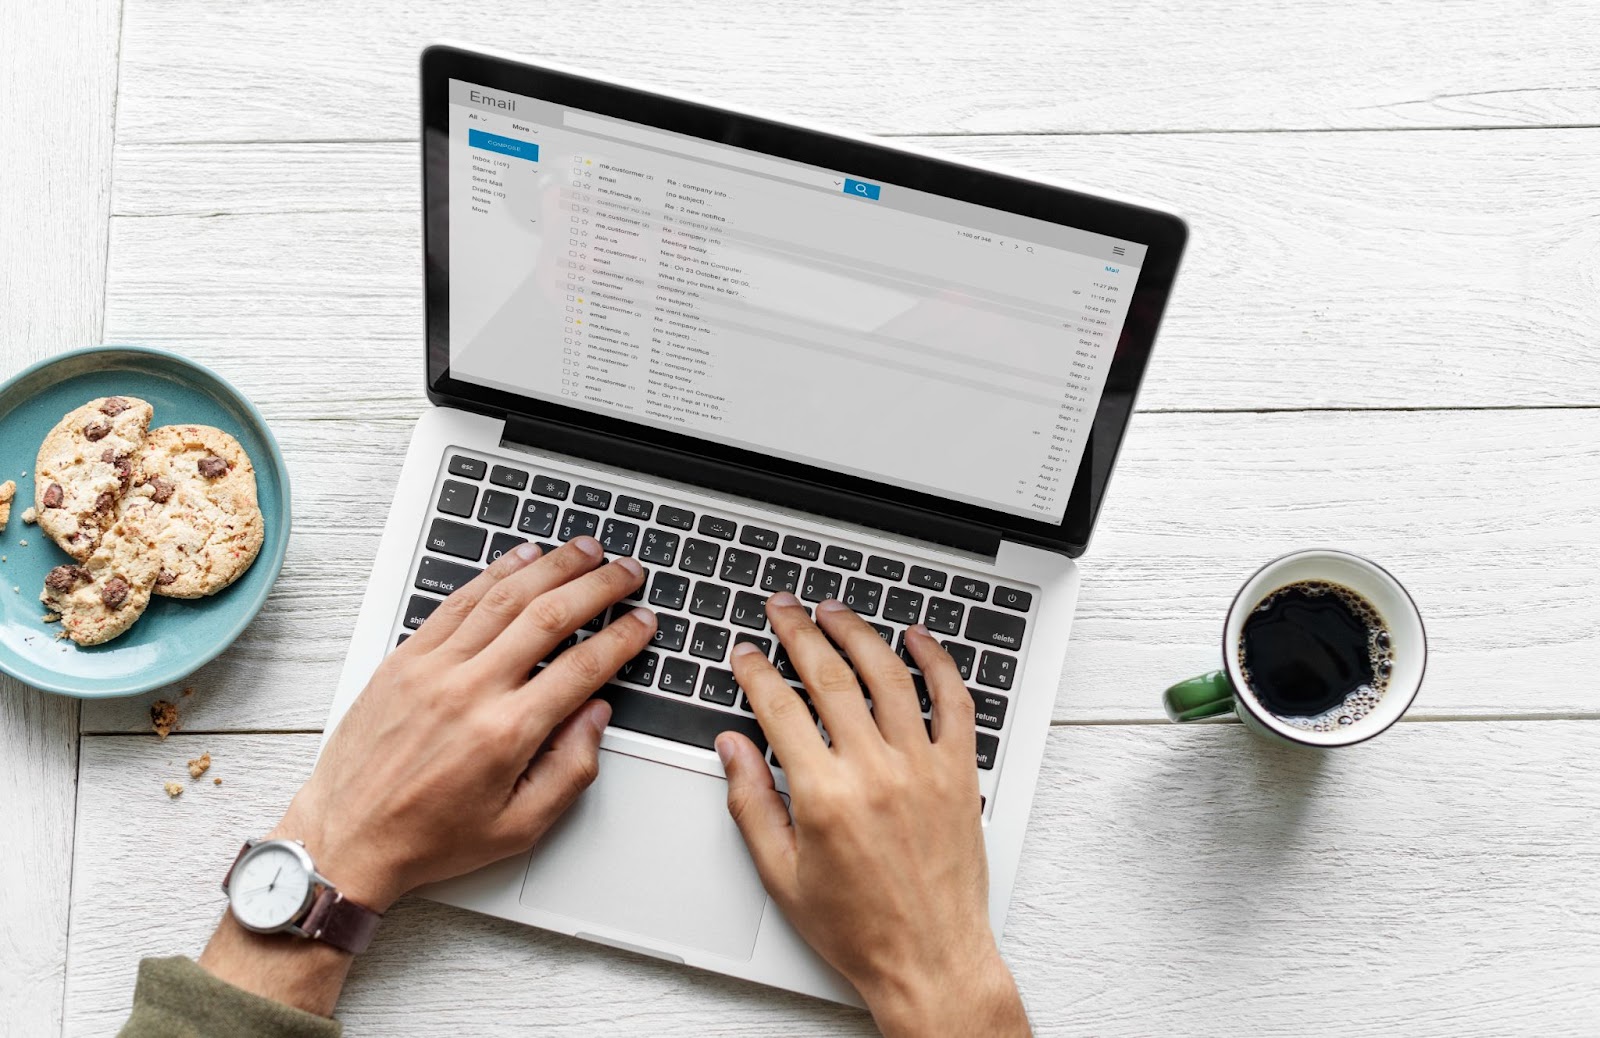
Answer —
1386 338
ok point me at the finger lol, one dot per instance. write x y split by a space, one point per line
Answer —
501 604
784 716
827 676
953 730
556 614
894 697
562 687
567 766
454 609
758 811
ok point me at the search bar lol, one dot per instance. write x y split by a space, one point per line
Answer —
726 156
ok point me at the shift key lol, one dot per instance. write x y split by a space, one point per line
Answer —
991 628
442 577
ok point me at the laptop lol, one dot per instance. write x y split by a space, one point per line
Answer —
757 356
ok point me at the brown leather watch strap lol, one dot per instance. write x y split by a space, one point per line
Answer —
335 919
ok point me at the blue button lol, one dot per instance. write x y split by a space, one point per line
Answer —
860 187
505 145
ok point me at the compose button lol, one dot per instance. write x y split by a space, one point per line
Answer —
860 187
506 145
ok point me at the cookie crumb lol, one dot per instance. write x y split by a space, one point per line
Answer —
216 782
188 691
200 765
23 542
174 789
163 717
49 618
30 515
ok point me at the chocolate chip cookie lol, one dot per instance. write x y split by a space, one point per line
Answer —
85 466
101 597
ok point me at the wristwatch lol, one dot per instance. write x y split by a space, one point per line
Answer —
273 887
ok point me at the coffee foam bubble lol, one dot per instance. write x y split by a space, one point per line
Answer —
1380 648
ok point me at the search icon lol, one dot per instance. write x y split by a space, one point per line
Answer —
1030 250
860 187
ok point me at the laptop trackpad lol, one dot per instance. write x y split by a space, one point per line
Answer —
651 850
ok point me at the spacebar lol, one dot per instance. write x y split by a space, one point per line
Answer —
674 719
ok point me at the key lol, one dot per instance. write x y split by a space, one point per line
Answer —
944 616
901 606
505 476
595 623
744 704
698 556
457 498
964 655
634 507
778 575
498 508
719 687
785 665
969 587
749 610
470 468
669 590
801 548
997 670
442 577
932 579
888 569
659 547
538 518
577 524
709 600
844 558
671 632
592 497
718 527
1011 598
617 537
924 700
458 539
992 628
764 644
562 646
989 708
675 719
679 676
550 486
988 746
402 639
904 653
862 596
884 631
819 584
709 642
501 543
739 566
756 537
641 670
637 594
669 515
419 609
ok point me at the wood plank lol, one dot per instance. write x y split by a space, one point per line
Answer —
1487 516
304 70
58 77
1344 280
1189 881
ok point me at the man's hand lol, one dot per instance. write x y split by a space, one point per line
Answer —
882 868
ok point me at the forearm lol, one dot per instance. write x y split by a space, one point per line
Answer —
980 1000
301 973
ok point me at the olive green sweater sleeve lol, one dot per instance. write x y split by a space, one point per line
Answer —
175 998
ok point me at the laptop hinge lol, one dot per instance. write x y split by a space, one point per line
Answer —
751 482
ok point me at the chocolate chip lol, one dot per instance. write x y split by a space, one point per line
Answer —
113 406
213 467
65 578
166 577
124 471
53 495
160 489
105 502
97 429
115 593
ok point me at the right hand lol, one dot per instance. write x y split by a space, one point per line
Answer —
882 868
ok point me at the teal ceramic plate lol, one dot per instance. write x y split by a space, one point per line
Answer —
174 636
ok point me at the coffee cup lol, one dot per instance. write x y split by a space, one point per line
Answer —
1320 648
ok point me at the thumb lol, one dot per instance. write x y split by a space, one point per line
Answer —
760 814
569 762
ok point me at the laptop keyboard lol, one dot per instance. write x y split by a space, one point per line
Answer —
707 576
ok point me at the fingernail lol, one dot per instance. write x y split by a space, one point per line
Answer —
746 648
918 630
782 600
528 552
644 616
588 545
725 747
830 605
599 715
632 566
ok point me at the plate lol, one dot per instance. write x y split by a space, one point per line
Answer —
175 636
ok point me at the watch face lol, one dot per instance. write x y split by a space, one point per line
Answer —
269 888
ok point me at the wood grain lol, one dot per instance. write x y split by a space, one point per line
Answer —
1323 270
304 70
58 80
1487 516
1175 881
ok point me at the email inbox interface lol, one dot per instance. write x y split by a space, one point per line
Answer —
805 313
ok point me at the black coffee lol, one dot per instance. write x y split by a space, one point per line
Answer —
1316 654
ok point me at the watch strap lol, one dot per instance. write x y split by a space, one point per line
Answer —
335 919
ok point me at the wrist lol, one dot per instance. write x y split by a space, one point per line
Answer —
353 866
975 995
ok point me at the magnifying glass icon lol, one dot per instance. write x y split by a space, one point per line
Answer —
1030 250
861 189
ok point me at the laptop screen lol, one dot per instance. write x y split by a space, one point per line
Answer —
811 314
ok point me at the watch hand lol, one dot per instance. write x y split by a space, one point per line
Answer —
275 876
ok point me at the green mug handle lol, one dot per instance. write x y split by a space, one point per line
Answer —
1205 696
